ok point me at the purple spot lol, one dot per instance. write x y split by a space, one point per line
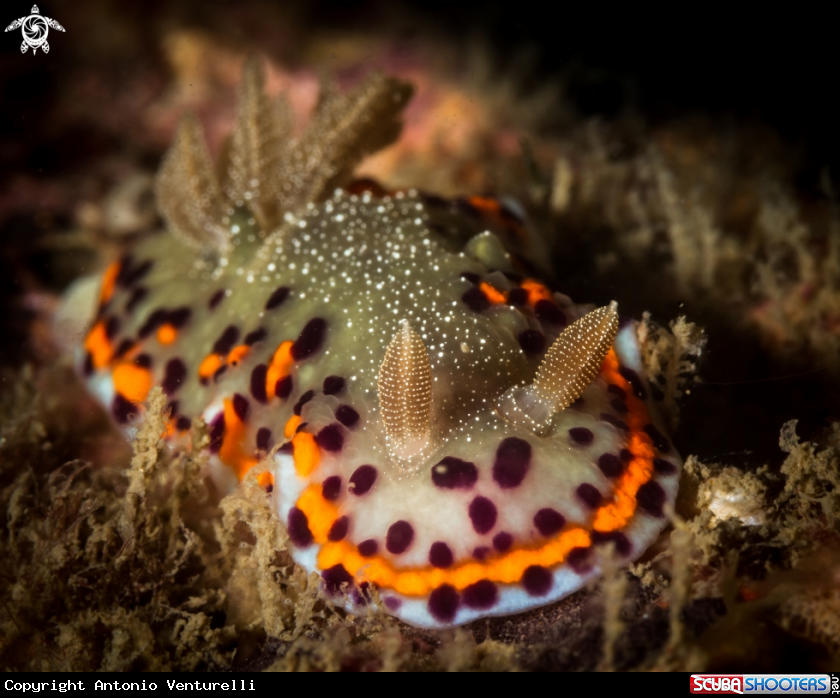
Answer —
537 580
362 480
440 555
615 421
112 326
216 298
143 361
218 373
453 473
651 497
258 376
659 441
532 341
331 438
264 440
482 514
610 465
347 416
241 407
621 542
331 488
123 409
137 295
183 423
476 300
548 521
368 548
133 276
123 348
481 553
333 385
362 596
481 595
618 406
589 495
227 341
581 435
283 387
518 296
173 407
87 366
299 532
549 314
338 530
470 276
288 448
306 397
337 579
443 603
179 317
580 560
310 339
626 455
634 380
173 375
399 538
155 320
502 541
392 603
617 390
277 298
664 467
513 458
257 335
217 432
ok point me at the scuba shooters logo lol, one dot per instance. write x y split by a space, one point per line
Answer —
755 684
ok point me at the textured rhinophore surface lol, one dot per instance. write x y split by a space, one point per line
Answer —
269 313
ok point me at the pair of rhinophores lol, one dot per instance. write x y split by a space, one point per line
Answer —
440 426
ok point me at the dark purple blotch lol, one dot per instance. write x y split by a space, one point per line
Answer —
483 514
621 542
258 376
331 438
264 440
302 400
173 376
241 407
331 488
339 529
217 432
513 457
283 387
549 521
254 336
399 537
310 339
651 498
337 580
333 385
481 595
440 555
475 299
537 580
347 416
227 340
216 298
443 603
277 298
580 560
362 480
454 473
298 527
581 435
590 495
368 548
610 465
502 541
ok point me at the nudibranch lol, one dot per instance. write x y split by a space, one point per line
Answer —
441 427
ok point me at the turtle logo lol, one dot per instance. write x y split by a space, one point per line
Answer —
35 28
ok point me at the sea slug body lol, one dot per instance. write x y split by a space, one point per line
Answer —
442 427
